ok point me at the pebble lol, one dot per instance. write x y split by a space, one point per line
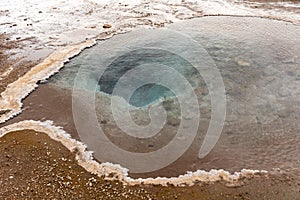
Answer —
243 63
106 26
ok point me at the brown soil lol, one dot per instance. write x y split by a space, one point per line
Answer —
32 166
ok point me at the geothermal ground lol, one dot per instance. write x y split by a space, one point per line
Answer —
37 163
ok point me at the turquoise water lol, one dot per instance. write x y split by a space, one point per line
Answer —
147 93
112 72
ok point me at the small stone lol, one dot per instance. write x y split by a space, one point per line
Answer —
103 122
243 63
106 26
8 156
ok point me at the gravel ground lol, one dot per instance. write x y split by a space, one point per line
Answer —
32 166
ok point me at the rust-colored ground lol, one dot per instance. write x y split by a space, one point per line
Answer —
32 166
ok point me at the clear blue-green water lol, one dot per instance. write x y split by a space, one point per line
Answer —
148 93
105 81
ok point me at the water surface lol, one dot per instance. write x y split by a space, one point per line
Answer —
259 62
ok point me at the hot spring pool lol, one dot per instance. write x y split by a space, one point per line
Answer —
259 64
